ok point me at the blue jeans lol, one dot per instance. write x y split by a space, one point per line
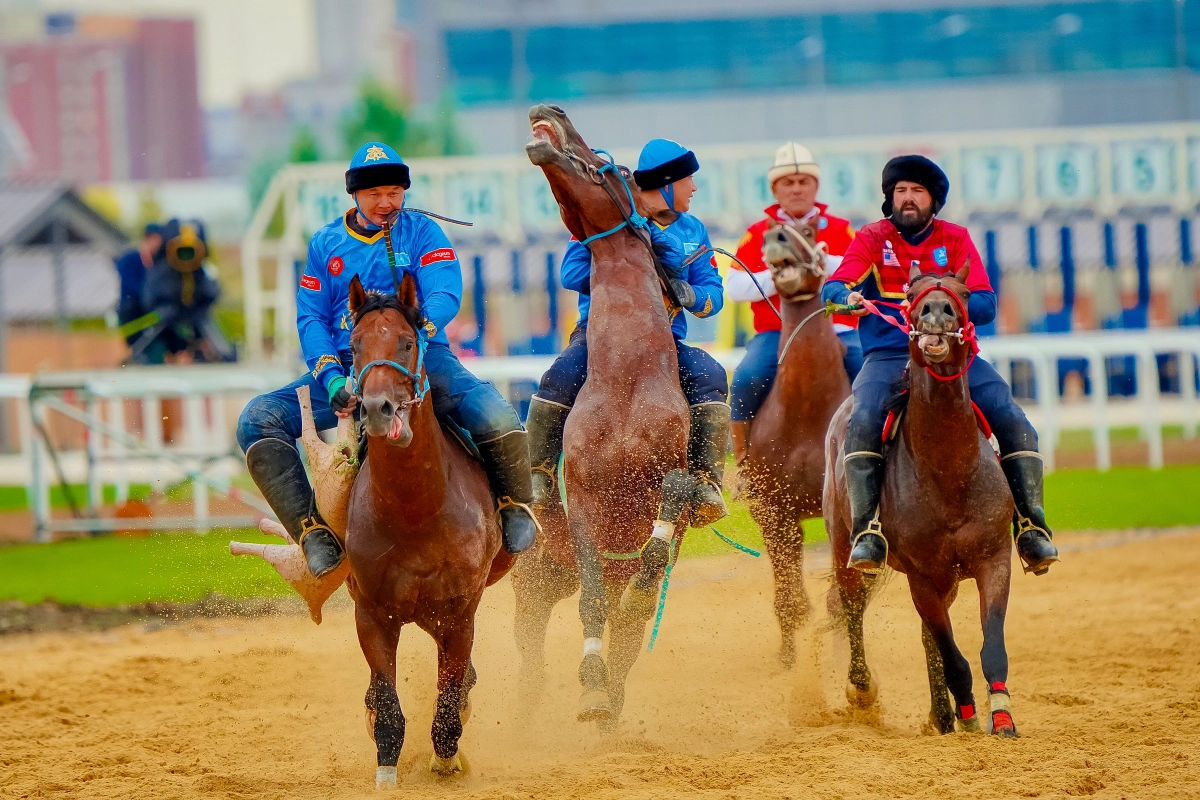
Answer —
702 379
883 368
754 377
457 395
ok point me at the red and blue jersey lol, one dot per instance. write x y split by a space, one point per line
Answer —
342 250
878 262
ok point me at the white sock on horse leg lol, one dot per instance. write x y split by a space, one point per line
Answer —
663 530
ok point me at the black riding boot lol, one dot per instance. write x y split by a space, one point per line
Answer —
864 484
1024 473
506 461
279 474
707 445
545 425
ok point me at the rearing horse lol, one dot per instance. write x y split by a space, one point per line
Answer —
422 535
625 441
945 512
784 467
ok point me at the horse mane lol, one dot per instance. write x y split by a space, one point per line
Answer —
381 301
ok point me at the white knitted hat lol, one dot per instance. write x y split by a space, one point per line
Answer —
791 159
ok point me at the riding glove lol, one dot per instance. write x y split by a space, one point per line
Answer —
339 398
684 292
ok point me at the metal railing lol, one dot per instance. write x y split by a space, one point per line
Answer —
212 396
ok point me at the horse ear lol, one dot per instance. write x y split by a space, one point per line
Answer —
408 292
962 274
913 274
358 295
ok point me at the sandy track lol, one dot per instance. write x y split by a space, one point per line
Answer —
1105 679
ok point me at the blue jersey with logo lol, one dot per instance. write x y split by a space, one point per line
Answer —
674 243
338 252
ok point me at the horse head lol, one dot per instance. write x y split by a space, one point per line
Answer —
590 197
389 373
796 259
937 314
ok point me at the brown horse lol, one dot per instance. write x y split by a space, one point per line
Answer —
422 536
625 441
784 468
945 512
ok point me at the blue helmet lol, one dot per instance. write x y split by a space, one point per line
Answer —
376 164
663 162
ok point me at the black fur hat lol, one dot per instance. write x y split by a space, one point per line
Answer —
917 169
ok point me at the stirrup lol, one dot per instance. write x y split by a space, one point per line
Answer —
310 524
548 471
507 502
1025 526
873 527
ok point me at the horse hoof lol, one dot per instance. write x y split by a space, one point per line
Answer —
970 725
862 698
385 778
447 767
936 726
593 706
637 603
1002 725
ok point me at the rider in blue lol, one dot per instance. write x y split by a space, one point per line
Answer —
353 245
664 178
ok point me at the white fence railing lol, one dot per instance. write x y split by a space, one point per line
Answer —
211 398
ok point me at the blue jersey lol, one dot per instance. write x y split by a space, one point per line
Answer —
338 252
674 243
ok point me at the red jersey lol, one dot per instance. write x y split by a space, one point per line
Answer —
879 260
835 232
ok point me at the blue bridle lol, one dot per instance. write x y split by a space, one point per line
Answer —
635 219
419 376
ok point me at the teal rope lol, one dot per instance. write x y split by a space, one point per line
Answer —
736 545
662 600
562 480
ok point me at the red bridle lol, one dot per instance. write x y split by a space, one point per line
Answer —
965 334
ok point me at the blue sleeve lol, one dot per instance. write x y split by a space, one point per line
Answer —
981 307
439 276
315 319
576 272
835 292
706 282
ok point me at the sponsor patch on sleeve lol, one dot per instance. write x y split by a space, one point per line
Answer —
336 265
441 254
313 284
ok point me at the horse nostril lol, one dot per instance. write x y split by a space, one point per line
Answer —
949 312
385 408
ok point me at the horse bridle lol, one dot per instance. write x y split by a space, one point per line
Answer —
638 225
419 376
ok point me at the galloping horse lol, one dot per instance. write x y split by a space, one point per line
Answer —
784 468
945 512
422 535
625 441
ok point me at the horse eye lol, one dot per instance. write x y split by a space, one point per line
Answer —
407 346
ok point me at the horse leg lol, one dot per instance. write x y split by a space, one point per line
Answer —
539 583
455 678
941 715
593 612
625 636
785 547
861 690
934 611
641 594
378 638
993 581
